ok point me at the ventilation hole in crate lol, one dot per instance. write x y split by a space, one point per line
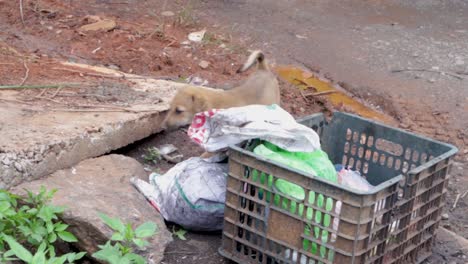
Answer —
412 166
246 172
349 133
249 220
389 147
390 162
358 165
252 191
408 154
423 157
315 127
375 157
361 152
370 141
309 213
246 250
415 156
353 150
293 207
346 147
351 163
363 139
405 167
251 205
276 199
243 202
355 136
382 159
368 154
365 169
311 197
345 159
397 164
240 232
238 246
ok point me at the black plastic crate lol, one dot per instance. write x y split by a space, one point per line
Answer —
394 223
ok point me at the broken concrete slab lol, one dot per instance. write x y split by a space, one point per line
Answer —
455 241
102 185
37 141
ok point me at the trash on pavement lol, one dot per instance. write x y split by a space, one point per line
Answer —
197 36
191 194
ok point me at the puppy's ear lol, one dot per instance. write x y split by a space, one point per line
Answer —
199 103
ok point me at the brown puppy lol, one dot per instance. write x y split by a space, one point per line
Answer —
261 87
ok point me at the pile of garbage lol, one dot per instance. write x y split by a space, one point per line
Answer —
192 193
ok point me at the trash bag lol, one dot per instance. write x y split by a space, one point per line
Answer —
315 163
353 179
191 194
216 130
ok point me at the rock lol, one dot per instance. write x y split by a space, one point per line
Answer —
204 64
197 36
445 216
167 13
18 166
105 25
103 185
6 161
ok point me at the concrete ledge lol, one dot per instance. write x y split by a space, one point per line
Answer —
36 142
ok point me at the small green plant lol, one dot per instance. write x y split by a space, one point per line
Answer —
179 233
152 155
120 247
32 223
42 255
186 16
213 39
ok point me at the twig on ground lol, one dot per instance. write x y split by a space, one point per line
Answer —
302 82
49 99
42 93
82 95
56 92
320 93
434 71
89 73
181 252
101 110
21 12
456 202
15 101
46 86
303 95
464 194
26 74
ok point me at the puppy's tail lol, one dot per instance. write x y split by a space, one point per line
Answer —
255 57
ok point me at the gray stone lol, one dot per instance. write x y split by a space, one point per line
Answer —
103 185
18 166
204 64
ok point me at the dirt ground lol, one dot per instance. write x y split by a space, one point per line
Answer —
354 45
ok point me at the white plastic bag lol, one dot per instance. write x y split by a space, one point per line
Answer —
216 130
353 179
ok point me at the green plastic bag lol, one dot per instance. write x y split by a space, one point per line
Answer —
315 163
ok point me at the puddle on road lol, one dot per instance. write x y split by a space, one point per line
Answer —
303 79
